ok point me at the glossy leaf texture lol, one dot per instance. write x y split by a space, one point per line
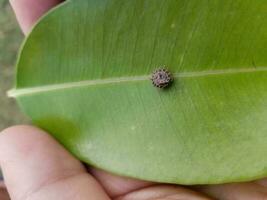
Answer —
83 75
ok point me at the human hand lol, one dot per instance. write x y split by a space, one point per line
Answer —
36 167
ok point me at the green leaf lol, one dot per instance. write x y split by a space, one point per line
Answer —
84 75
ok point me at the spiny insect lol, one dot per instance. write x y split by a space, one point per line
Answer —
161 78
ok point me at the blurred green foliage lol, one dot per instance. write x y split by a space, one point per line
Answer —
10 40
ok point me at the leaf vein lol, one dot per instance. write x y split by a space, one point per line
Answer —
116 80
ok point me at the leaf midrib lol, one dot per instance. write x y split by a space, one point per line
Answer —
60 86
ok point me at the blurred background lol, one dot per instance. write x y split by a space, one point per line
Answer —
10 40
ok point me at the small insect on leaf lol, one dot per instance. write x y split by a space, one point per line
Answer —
161 78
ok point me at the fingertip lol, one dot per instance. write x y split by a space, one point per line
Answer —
29 11
18 131
13 140
28 143
18 142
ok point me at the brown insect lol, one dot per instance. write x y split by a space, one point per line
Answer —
161 78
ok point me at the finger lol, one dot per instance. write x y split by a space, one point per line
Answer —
161 192
29 11
256 190
121 188
117 185
35 166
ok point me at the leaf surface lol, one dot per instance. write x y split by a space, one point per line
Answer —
84 75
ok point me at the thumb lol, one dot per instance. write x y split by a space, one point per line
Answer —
35 166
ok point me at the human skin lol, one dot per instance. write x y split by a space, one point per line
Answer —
36 167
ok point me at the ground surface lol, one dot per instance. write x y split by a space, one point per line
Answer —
10 40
